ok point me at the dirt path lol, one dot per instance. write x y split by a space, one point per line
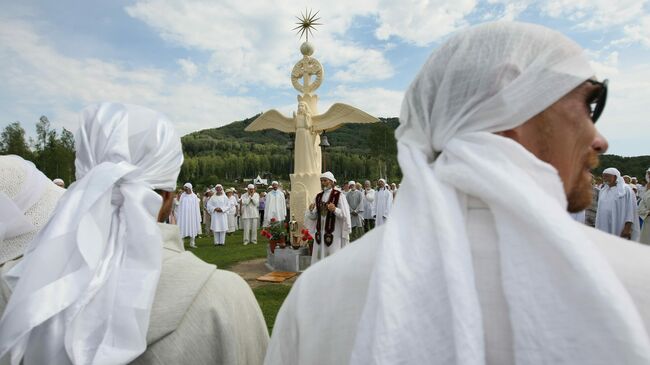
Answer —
252 269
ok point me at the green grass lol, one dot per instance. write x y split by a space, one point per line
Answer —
270 297
230 254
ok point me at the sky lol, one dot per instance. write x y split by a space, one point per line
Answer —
207 63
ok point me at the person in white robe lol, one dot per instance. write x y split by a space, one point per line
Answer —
275 205
137 296
644 211
383 202
368 214
499 275
219 205
233 211
189 214
328 219
250 214
355 201
617 209
207 221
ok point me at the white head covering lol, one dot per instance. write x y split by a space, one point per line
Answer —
59 182
274 182
250 186
87 282
328 175
351 182
188 185
566 306
27 199
620 183
382 180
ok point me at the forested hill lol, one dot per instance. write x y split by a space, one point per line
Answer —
358 151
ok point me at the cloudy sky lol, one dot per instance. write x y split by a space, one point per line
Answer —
208 63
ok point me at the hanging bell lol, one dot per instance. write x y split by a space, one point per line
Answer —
323 140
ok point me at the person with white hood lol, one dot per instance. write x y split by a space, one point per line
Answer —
644 211
188 216
250 202
617 209
355 201
275 205
219 206
328 219
383 202
496 274
368 207
233 211
105 282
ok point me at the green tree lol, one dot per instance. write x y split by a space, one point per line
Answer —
13 142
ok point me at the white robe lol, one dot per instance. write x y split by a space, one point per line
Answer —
276 207
614 211
219 219
383 203
342 228
249 206
188 217
232 214
368 204
302 337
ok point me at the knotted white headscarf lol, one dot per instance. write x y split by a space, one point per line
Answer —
566 305
87 281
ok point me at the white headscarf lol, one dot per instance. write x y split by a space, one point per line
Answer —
27 199
87 282
620 183
566 306
328 175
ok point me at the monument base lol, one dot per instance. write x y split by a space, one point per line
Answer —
288 259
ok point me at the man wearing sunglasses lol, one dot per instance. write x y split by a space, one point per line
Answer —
494 273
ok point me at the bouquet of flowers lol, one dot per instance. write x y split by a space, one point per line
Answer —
276 231
306 236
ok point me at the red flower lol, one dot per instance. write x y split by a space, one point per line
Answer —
273 220
304 231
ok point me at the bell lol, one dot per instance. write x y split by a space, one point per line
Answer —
323 140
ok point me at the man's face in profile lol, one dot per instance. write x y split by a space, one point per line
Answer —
564 136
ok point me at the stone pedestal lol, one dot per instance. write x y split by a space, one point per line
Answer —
288 259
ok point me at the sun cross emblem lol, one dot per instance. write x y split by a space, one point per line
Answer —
308 70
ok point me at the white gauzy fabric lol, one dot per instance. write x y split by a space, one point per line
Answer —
565 304
27 198
87 282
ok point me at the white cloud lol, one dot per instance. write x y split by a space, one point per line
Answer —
189 68
38 77
638 31
376 101
594 14
421 22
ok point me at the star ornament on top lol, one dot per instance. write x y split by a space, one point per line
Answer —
307 23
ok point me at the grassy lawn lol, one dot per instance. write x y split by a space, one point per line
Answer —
270 296
230 254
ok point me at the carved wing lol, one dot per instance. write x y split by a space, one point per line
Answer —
272 119
339 114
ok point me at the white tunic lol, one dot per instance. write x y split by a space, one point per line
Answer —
249 206
614 211
276 207
368 204
219 219
301 337
383 203
342 228
189 215
232 213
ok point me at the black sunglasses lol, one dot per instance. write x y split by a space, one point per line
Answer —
597 102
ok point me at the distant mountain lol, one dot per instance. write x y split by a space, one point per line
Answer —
357 152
